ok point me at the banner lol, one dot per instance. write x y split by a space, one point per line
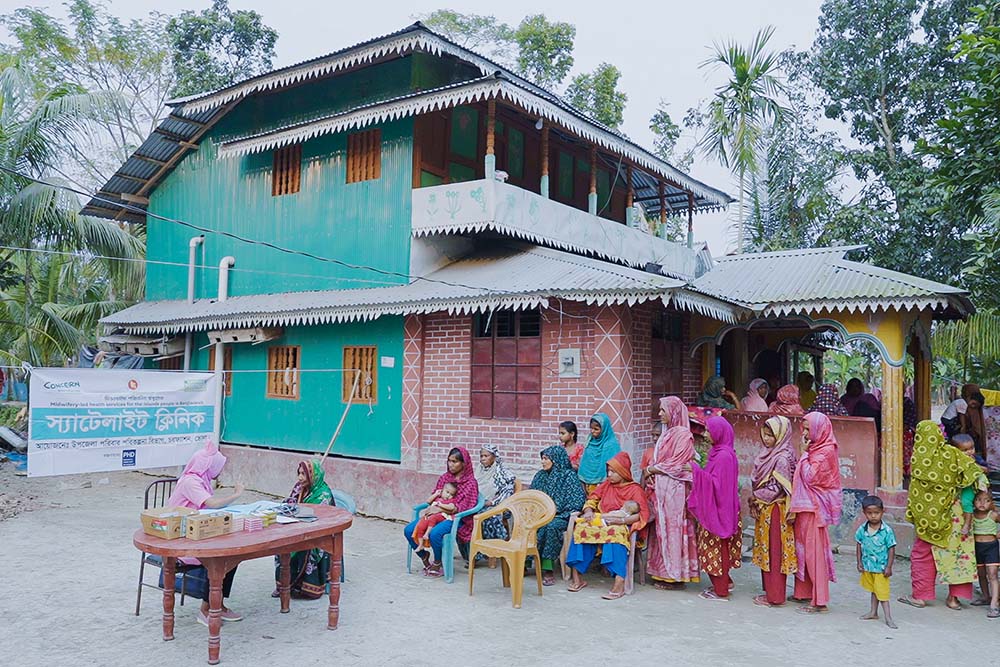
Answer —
90 420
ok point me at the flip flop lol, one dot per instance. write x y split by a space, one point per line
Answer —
710 595
957 607
812 610
576 589
909 601
993 613
613 595
548 580
668 586
761 601
980 602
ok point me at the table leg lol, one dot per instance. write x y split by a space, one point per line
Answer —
169 568
285 582
336 553
216 573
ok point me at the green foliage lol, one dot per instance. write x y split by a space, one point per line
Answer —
596 94
217 47
545 49
665 132
484 34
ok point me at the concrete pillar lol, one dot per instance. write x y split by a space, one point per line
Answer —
490 166
543 186
892 426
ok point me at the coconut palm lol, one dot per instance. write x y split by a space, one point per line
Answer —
741 109
35 217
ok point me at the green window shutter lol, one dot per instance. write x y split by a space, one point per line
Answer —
565 175
465 132
515 153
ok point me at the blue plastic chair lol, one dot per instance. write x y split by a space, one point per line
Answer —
343 500
450 542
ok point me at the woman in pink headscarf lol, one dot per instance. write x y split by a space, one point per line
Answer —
673 551
817 498
757 392
787 402
673 413
715 502
194 490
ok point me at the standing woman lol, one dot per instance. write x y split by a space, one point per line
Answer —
460 473
828 403
557 479
940 550
496 484
600 449
817 499
715 502
673 549
771 484
673 413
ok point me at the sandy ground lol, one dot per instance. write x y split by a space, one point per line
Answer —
67 597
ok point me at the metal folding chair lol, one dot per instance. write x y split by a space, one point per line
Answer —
157 494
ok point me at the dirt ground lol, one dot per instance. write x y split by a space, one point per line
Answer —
67 597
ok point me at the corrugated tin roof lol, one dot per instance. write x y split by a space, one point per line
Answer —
160 152
812 279
503 277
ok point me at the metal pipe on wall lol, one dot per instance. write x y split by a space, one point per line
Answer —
220 348
192 247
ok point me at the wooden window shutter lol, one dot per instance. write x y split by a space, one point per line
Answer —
364 156
283 366
362 358
286 174
227 365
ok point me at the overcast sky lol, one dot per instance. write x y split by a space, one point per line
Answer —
657 45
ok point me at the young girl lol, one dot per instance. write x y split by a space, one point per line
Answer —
568 439
984 530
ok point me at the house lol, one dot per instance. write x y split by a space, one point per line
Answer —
484 259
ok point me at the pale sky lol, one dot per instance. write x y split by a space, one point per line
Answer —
657 46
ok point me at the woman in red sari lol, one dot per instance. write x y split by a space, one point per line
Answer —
613 533
715 502
817 498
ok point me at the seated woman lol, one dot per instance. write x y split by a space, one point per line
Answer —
310 569
602 445
827 402
194 490
461 474
557 479
614 537
788 402
496 484
715 395
756 398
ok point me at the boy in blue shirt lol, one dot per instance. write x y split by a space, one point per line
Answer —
876 551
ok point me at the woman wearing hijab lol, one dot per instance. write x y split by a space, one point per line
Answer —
807 396
853 392
869 406
817 499
496 484
194 490
909 432
715 502
557 479
715 395
975 418
613 533
603 445
310 569
828 403
755 400
941 553
672 547
673 413
788 402
460 473
771 484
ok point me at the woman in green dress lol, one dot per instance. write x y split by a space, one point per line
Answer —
310 569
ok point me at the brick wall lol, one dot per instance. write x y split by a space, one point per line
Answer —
614 349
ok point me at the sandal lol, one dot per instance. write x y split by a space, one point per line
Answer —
916 604
799 600
548 579
711 595
761 601
576 589
980 602
994 612
812 610
613 595
956 607
434 570
668 585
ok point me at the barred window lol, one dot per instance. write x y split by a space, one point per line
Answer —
283 366
227 366
507 365
361 358
364 156
286 175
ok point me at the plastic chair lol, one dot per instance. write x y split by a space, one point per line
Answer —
156 495
529 511
629 579
450 542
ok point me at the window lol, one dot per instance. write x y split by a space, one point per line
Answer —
227 365
364 359
169 363
666 363
286 175
507 365
564 176
283 365
364 156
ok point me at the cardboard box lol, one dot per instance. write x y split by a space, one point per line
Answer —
165 522
203 526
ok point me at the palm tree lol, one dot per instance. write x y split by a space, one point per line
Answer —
35 217
742 108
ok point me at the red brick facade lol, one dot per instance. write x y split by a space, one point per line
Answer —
614 344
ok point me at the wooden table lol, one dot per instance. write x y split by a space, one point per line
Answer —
221 554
